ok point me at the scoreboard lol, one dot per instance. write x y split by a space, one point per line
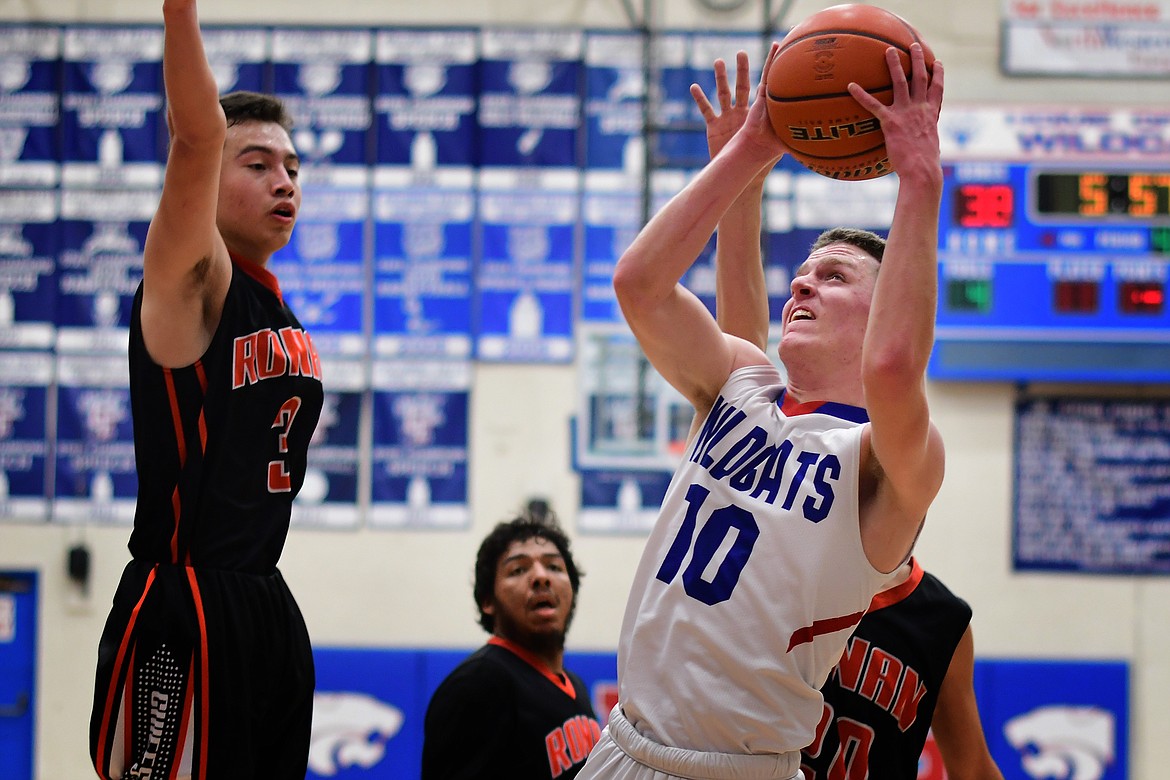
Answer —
1054 271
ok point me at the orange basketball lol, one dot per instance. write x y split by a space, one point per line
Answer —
808 102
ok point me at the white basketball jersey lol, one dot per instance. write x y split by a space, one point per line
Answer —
753 576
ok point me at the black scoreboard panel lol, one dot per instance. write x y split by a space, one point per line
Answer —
1050 273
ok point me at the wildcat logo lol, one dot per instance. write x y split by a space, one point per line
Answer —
1062 742
350 729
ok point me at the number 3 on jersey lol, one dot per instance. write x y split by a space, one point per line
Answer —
698 580
279 480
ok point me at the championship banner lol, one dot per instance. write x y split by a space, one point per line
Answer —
615 93
425 103
617 502
329 497
238 57
25 379
29 243
113 125
323 75
322 270
526 275
530 101
420 451
95 478
102 236
30 109
423 272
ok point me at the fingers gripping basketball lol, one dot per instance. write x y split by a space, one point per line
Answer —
809 103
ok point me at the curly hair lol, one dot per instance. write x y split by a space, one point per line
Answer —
536 523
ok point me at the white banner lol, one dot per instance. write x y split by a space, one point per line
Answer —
1055 133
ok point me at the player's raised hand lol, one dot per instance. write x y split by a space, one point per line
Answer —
910 122
732 110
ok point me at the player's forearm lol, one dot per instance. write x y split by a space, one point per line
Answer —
741 298
900 334
194 115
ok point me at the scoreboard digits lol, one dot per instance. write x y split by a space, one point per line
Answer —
1103 194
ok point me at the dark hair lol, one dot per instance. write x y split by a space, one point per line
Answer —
241 106
533 524
864 240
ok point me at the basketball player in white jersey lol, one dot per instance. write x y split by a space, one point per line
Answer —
793 501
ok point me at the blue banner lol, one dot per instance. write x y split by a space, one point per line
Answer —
112 119
530 98
422 272
420 448
324 76
427 87
238 57
526 274
95 479
102 237
25 380
30 106
29 244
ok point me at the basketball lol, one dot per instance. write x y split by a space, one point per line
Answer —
808 101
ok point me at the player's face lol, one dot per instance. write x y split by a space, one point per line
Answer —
831 294
533 595
258 193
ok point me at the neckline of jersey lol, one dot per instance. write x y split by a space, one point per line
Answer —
899 592
562 681
793 408
260 274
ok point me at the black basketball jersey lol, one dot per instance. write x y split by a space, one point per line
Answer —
221 444
880 698
500 715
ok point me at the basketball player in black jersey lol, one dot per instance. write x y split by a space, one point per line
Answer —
204 666
910 660
512 709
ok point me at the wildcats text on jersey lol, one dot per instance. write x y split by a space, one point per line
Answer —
266 353
755 466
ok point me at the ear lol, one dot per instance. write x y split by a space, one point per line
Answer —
488 607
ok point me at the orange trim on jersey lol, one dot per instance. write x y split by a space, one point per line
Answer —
202 376
562 681
827 626
900 591
200 759
260 274
181 446
101 758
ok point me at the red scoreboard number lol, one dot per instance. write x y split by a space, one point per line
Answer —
984 206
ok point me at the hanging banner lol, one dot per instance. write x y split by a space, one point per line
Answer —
323 77
615 94
30 94
420 450
422 272
329 496
112 120
25 379
425 105
29 236
95 479
322 270
1086 38
530 101
525 279
102 237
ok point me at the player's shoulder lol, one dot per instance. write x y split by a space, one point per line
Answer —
934 589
